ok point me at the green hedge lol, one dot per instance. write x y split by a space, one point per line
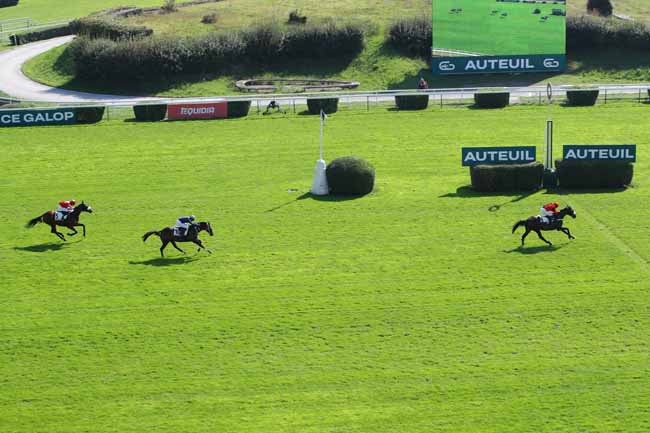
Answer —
582 97
491 99
516 177
150 113
328 105
412 36
6 3
587 32
412 102
594 174
140 60
96 28
89 114
238 108
40 35
350 175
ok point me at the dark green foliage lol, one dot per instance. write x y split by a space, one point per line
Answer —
350 175
238 108
89 114
150 113
587 32
328 105
594 174
601 7
209 19
40 35
412 36
6 3
296 18
130 60
491 99
582 97
516 177
96 28
412 102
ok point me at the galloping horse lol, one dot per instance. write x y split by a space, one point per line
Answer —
535 224
166 235
71 221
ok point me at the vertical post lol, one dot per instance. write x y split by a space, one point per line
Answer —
441 101
605 96
293 102
321 133
258 106
368 102
639 96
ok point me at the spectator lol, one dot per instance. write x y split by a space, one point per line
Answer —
423 84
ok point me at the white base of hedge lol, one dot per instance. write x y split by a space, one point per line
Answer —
319 185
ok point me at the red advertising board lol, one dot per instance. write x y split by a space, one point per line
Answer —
210 110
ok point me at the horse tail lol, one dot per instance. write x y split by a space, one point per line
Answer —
153 232
519 223
34 221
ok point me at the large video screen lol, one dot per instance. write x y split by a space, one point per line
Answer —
491 36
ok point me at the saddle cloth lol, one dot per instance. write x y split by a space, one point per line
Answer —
58 216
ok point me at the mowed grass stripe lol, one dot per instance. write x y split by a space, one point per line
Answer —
406 310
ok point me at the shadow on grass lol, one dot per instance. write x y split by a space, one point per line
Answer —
578 191
166 261
41 248
535 250
309 195
467 192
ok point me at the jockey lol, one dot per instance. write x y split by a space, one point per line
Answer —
65 208
184 223
549 211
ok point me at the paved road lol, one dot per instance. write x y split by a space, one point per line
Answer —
17 85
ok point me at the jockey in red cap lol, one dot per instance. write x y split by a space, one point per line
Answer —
548 211
64 209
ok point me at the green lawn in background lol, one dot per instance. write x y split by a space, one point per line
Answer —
408 310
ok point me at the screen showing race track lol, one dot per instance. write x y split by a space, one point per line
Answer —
488 36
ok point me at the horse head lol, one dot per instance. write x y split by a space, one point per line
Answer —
83 207
569 211
207 227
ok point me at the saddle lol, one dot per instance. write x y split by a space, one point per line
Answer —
60 216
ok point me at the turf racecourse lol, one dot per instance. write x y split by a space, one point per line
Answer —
409 310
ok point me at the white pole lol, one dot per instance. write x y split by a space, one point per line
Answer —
321 134
319 184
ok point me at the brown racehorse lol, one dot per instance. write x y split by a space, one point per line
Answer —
535 225
166 235
70 222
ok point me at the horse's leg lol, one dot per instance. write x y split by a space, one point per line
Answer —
164 244
200 244
74 231
567 232
523 237
83 226
176 246
60 235
539 233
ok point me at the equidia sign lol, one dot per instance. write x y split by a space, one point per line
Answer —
212 110
599 152
55 116
498 155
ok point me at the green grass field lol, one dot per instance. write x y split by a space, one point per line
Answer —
408 310
512 29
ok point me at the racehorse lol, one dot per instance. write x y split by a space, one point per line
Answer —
534 224
71 221
167 235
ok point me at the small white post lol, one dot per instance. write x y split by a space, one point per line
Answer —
319 184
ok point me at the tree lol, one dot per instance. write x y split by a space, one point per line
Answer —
603 8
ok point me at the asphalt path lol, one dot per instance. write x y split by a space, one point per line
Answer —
14 83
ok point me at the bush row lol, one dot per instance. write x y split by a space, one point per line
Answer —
40 35
594 174
107 28
123 61
413 36
516 177
5 3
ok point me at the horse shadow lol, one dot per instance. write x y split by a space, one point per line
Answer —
535 250
41 248
165 261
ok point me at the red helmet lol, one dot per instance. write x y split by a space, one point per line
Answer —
73 202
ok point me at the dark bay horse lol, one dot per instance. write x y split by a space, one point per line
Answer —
167 236
534 224
71 221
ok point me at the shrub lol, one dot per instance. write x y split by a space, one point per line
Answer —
582 97
7 3
412 102
412 36
328 105
515 177
89 114
601 7
209 19
587 32
491 99
150 113
96 28
238 108
169 6
594 174
296 18
40 35
350 175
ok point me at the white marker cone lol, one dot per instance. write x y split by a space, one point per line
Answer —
319 185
